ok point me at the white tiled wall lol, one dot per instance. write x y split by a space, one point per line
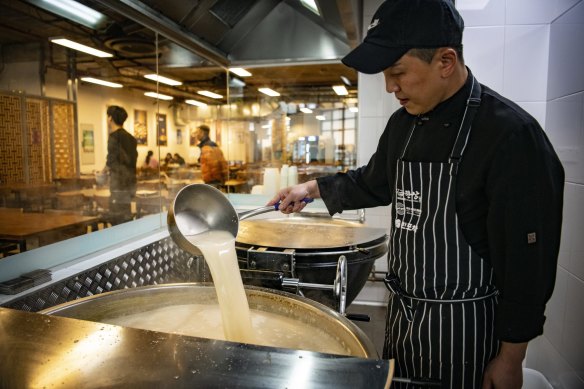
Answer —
560 352
532 52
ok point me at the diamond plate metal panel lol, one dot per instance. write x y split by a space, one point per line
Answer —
157 263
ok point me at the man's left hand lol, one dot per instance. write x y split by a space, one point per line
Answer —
505 371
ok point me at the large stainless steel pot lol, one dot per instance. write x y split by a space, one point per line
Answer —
309 248
106 306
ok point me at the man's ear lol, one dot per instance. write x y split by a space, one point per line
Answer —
447 61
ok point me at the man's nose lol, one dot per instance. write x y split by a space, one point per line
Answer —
390 85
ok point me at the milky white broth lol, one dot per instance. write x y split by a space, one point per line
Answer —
231 319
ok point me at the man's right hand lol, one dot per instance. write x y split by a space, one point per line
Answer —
291 197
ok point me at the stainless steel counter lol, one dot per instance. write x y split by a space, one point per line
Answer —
48 351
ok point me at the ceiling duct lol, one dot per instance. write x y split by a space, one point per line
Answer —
230 12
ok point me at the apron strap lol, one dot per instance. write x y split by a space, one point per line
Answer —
393 284
472 106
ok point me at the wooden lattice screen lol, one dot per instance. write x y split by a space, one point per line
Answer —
64 140
31 149
11 140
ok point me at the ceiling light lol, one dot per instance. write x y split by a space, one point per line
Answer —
241 72
158 96
209 94
340 90
162 79
78 46
195 102
306 110
320 117
101 82
269 92
354 109
346 80
311 5
74 11
236 82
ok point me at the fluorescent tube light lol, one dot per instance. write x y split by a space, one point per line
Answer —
269 92
195 102
236 82
162 79
101 82
306 110
241 72
354 109
346 80
320 117
158 96
74 11
209 94
311 5
78 46
340 90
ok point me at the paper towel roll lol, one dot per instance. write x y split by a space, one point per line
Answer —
284 176
271 181
292 175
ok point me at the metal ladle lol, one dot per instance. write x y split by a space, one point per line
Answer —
198 208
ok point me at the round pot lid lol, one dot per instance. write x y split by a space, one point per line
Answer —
301 232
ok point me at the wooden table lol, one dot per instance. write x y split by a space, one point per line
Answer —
36 190
20 226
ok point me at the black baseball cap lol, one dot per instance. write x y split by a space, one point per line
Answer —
401 25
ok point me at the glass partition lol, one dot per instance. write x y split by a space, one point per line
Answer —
54 122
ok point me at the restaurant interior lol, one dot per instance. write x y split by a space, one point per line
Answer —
277 100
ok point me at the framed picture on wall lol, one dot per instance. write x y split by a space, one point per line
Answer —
179 139
141 126
161 131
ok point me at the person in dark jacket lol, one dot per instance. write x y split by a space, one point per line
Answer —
121 160
476 190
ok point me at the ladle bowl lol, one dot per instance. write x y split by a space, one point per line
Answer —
196 209
199 208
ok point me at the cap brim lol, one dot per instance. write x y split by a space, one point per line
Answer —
370 58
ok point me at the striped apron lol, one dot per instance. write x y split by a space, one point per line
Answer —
440 316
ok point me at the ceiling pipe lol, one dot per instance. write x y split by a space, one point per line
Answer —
154 20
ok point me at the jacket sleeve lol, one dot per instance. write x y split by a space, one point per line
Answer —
525 191
367 186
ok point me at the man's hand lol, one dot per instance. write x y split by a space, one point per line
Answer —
291 197
505 370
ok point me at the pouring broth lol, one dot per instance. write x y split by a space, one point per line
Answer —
218 248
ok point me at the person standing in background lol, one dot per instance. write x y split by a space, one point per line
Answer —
122 155
214 168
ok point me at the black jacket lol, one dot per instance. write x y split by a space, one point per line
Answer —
510 183
121 160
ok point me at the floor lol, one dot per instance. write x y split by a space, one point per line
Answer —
374 329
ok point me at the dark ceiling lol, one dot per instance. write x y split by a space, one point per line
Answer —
283 44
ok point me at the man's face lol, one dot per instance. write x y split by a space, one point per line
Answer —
417 85
199 134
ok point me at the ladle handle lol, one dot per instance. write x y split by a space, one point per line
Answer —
267 208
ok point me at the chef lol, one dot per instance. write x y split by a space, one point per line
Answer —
476 192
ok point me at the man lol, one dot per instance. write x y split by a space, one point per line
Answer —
121 165
476 193
214 167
